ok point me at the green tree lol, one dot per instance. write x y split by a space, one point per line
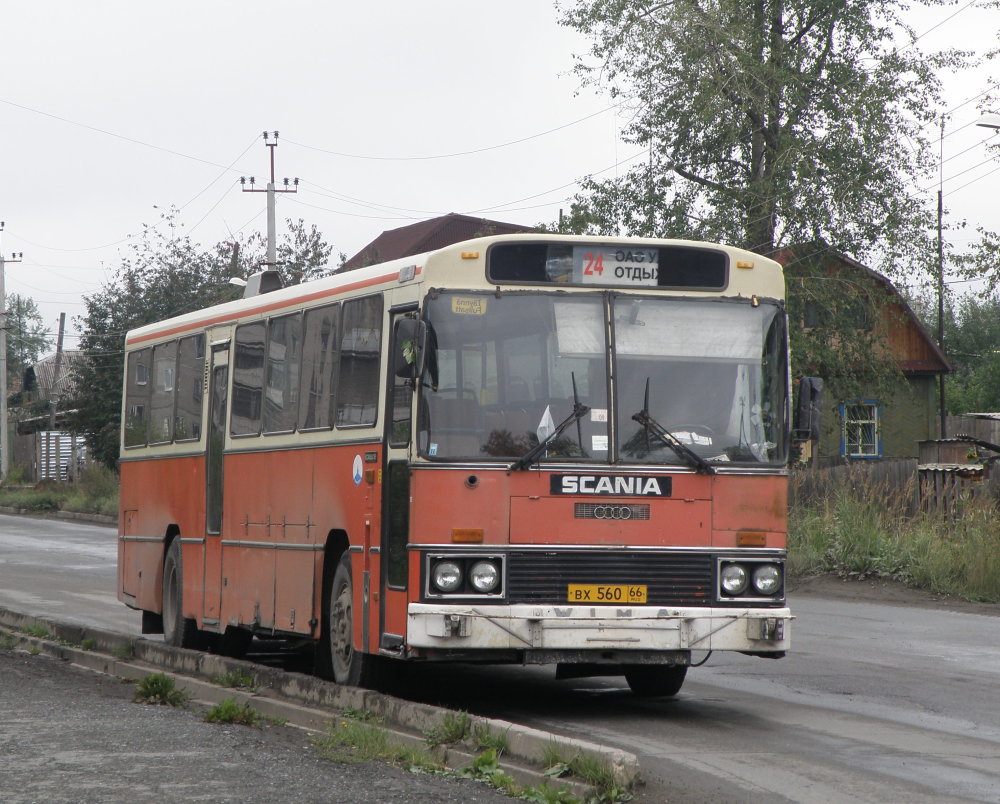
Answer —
27 339
767 123
972 342
302 253
162 274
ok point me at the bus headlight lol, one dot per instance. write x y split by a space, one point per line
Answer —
484 576
733 579
766 579
446 576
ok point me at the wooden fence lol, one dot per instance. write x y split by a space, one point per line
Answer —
900 482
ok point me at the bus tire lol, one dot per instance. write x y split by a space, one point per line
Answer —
655 680
349 666
178 630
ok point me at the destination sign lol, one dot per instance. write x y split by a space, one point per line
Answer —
626 265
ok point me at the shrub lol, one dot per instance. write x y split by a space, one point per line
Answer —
159 689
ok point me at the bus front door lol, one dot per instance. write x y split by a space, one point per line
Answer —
394 557
216 441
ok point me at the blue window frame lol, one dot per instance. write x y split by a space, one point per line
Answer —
861 429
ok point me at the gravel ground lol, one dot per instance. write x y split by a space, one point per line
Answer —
70 735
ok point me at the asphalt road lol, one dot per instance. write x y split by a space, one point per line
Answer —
886 696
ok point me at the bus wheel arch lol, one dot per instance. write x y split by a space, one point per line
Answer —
178 630
337 656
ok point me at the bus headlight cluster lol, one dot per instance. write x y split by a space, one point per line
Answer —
750 579
464 575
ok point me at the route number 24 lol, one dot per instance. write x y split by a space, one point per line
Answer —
594 263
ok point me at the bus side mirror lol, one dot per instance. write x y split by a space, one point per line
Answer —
411 348
806 426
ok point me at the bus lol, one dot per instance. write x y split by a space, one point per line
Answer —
531 449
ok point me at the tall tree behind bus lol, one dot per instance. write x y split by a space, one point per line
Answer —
164 274
768 124
774 124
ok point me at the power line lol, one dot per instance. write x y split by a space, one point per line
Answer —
456 153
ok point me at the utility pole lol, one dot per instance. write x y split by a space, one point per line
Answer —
4 423
272 255
56 373
943 410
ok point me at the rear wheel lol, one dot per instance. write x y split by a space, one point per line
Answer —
653 680
178 630
349 666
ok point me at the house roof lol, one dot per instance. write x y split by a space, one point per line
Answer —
917 352
45 370
429 235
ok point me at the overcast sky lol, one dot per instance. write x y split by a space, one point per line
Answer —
388 113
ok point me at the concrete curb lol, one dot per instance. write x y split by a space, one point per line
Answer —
312 703
70 516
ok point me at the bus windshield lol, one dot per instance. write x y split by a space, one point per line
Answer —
506 370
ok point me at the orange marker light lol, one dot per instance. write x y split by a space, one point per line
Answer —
470 255
744 264
751 538
467 535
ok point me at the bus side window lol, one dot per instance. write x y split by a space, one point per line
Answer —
190 384
248 379
161 408
137 398
360 350
320 353
284 344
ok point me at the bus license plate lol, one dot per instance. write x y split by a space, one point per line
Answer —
605 593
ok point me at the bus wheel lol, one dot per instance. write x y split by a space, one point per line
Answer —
349 665
654 680
177 629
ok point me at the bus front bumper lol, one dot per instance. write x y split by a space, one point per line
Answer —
433 626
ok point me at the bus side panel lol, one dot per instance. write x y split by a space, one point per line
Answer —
279 508
750 503
156 494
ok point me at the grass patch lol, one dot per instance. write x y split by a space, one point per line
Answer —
88 644
159 689
485 740
229 710
37 631
854 528
95 491
8 642
452 729
234 679
353 741
486 768
124 652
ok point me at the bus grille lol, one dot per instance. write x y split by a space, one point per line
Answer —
671 579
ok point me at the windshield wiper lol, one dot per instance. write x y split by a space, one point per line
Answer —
681 450
579 411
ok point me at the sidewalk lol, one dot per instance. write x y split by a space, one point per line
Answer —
71 735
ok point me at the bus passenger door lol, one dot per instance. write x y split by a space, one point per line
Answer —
218 404
394 556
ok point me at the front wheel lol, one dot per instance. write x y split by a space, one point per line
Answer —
349 666
178 630
654 680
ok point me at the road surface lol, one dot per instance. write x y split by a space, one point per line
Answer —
880 700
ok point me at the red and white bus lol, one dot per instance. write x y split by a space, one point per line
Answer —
531 449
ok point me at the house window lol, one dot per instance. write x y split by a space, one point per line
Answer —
860 429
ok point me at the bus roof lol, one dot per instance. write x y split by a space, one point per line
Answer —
392 274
